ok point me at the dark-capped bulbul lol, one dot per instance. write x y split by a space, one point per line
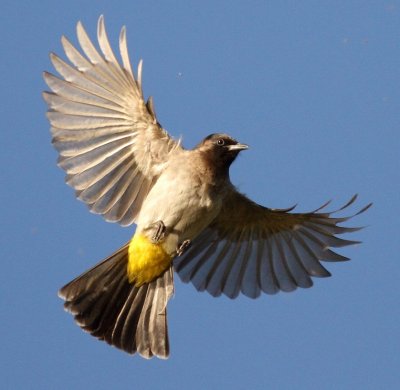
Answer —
189 216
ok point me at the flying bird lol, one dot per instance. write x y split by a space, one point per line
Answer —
190 217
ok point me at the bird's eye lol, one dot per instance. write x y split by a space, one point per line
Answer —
221 142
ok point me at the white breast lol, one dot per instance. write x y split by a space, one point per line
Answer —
183 202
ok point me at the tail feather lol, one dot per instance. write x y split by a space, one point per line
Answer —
150 331
131 316
110 308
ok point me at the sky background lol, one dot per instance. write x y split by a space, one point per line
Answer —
314 88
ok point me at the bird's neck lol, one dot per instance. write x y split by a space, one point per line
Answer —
213 170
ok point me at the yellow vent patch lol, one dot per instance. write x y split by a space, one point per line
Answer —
146 260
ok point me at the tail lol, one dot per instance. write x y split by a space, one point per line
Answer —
110 308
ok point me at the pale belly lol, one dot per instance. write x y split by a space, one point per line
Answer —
184 209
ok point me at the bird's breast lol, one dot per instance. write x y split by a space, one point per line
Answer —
184 202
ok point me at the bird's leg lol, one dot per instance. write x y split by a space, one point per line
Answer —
159 231
182 247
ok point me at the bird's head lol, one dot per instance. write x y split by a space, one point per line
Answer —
220 149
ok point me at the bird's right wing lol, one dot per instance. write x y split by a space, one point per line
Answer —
109 141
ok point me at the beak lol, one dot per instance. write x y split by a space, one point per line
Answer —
238 147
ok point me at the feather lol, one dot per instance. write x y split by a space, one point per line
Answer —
110 308
99 119
286 248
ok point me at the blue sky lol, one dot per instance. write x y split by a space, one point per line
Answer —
314 88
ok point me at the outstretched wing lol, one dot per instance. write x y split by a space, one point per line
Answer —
109 141
250 248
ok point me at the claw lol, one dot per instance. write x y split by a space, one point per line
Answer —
159 231
181 249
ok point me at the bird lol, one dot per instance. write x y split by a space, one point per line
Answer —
189 217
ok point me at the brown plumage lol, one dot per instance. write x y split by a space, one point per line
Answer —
110 308
189 216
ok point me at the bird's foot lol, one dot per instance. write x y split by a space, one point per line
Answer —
181 249
159 231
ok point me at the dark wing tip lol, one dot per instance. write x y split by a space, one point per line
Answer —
365 208
285 210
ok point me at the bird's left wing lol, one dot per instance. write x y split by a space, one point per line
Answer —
250 248
108 138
